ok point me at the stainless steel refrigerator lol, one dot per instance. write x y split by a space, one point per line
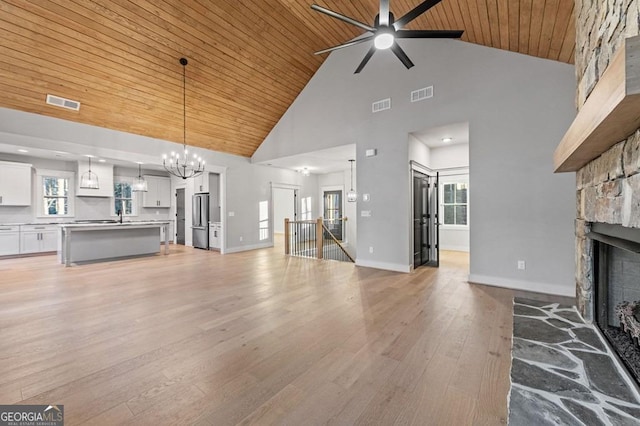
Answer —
200 224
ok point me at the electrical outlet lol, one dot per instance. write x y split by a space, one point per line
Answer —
370 249
240 239
365 213
522 265
157 212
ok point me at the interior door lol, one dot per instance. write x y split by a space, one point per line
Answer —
180 216
426 231
420 220
333 212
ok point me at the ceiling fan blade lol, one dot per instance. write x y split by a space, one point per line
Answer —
384 13
429 34
340 46
342 17
401 55
366 59
414 13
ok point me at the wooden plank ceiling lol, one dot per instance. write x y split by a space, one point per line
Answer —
248 60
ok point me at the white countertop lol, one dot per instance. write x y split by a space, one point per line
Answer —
86 222
112 225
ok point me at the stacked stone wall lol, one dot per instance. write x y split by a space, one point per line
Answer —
608 188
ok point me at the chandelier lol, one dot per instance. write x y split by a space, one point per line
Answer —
180 165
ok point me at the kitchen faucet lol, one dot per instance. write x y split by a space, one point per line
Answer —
119 213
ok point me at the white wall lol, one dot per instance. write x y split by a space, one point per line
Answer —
86 208
283 208
244 184
518 108
449 156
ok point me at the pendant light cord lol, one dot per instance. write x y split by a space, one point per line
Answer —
184 106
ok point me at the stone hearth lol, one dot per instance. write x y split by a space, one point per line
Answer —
562 373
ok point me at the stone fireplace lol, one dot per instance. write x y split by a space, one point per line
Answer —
608 186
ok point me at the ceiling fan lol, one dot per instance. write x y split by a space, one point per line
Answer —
386 30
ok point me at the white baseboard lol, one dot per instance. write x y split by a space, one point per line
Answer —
247 248
455 248
545 288
384 265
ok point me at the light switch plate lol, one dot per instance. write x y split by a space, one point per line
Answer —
365 213
231 214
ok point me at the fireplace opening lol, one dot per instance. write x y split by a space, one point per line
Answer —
616 254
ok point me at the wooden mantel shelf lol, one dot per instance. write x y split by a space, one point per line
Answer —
610 114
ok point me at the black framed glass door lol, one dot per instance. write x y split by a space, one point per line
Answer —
333 212
426 231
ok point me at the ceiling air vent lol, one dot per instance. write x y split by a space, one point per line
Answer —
62 102
381 105
422 94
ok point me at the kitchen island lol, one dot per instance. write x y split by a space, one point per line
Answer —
90 242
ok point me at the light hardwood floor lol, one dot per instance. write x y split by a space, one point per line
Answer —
253 338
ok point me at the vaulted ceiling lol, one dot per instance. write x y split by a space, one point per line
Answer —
248 60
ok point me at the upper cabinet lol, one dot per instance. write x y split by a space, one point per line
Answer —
201 183
103 171
158 192
15 184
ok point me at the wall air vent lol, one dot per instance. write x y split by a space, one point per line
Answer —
381 105
63 103
422 94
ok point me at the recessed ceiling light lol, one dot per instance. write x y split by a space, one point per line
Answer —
90 156
446 140
22 150
61 152
102 161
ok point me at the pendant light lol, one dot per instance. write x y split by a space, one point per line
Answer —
89 180
177 164
352 196
139 184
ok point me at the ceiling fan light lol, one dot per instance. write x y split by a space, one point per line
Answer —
383 40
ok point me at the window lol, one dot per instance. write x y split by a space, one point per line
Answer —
124 197
55 193
264 220
455 203
306 213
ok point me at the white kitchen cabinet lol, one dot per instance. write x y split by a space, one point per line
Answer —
215 236
201 183
103 171
15 184
38 238
9 240
158 192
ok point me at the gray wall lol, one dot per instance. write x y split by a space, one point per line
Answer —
247 186
244 184
518 108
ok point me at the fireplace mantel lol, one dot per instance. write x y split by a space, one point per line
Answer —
610 114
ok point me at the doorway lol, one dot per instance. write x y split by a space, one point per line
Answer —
180 217
284 207
332 212
426 229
